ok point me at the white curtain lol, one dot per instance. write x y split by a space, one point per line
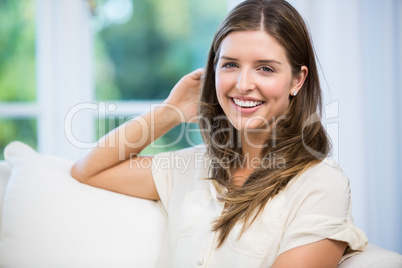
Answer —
359 46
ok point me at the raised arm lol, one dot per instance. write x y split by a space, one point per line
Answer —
114 165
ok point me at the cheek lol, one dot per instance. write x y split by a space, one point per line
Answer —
222 88
275 90
223 83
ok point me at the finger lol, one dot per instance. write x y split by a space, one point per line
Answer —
198 74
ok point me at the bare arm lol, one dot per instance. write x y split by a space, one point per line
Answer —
324 253
114 164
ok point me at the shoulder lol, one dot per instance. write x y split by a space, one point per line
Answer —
192 158
325 175
322 189
177 172
185 152
318 202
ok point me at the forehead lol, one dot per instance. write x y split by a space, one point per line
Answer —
252 45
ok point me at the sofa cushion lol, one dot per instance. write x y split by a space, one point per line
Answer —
374 257
52 220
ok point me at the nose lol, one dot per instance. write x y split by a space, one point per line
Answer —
245 82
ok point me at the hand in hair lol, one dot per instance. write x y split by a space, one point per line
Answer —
115 165
185 95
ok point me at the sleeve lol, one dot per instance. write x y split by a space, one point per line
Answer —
162 175
176 172
321 206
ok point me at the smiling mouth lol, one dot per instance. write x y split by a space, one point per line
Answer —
246 103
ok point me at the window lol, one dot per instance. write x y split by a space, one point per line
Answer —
18 109
142 48
60 76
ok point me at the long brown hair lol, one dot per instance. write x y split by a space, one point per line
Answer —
299 139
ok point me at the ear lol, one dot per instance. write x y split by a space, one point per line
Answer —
298 81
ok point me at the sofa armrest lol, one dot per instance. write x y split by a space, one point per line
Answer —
5 171
374 257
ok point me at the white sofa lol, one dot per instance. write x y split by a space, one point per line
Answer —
50 220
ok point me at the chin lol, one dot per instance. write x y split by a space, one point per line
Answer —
245 126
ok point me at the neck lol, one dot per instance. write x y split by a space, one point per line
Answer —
252 144
251 149
253 140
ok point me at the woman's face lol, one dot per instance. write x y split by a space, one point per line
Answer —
254 80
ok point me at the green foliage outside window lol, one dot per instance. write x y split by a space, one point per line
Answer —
17 50
17 68
145 56
159 42
141 57
17 129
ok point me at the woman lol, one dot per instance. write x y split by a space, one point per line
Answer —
261 192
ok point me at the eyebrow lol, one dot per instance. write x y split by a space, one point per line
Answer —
259 61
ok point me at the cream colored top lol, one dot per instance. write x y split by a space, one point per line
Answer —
314 206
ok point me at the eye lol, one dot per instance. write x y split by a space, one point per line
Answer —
229 65
266 69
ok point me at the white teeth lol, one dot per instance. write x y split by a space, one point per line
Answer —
247 104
